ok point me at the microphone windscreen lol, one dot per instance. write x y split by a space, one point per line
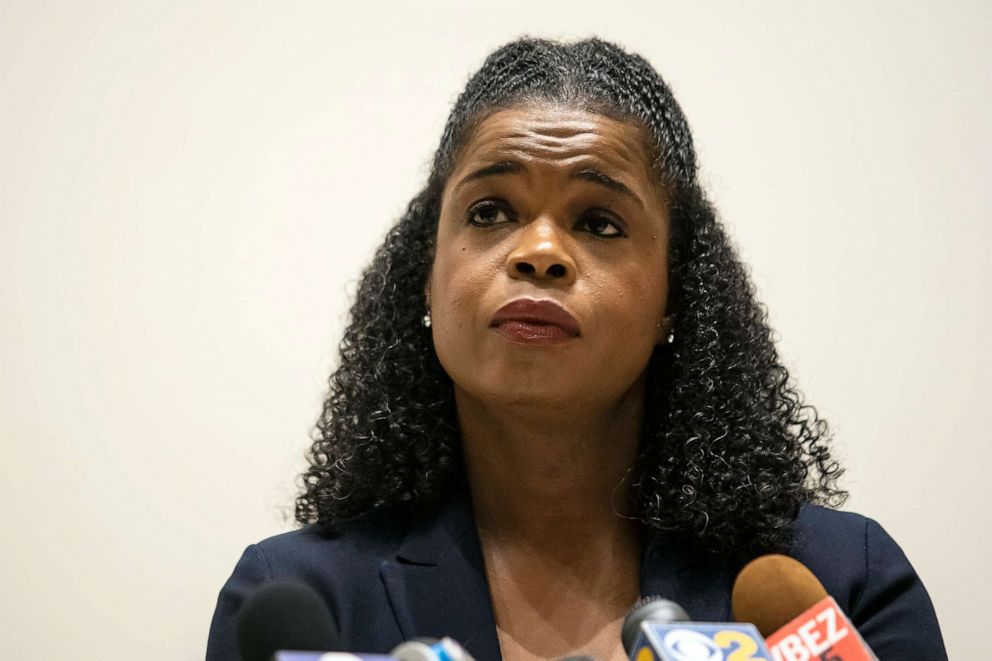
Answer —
772 590
654 609
285 615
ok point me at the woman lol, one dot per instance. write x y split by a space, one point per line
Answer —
557 393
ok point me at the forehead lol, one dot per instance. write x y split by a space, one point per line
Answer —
558 135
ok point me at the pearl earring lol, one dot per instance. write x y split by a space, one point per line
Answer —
671 334
427 320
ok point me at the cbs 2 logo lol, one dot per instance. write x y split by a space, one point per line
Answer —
689 645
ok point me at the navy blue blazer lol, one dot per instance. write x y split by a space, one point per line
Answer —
386 581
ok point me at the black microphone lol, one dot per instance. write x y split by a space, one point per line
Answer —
285 615
418 649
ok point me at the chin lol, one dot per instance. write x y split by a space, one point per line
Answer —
540 401
538 389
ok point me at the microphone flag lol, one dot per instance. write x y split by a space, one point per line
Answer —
820 633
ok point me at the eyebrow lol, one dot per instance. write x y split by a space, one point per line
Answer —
585 174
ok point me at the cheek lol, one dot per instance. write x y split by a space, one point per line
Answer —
632 336
464 268
460 282
632 304
633 295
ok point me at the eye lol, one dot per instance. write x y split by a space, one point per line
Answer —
488 213
602 226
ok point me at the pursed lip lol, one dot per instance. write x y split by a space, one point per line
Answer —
536 312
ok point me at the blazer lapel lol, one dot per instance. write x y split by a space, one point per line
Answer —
437 584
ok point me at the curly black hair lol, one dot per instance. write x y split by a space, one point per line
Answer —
728 449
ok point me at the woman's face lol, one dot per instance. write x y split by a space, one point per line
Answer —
550 278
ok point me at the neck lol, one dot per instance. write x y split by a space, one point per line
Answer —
536 474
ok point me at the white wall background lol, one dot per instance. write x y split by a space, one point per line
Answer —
188 191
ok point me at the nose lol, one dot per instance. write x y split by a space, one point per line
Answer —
541 254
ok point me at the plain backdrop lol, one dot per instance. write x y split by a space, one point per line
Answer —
189 191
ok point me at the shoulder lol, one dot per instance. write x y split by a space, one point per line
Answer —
309 552
846 551
343 566
871 578
833 545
